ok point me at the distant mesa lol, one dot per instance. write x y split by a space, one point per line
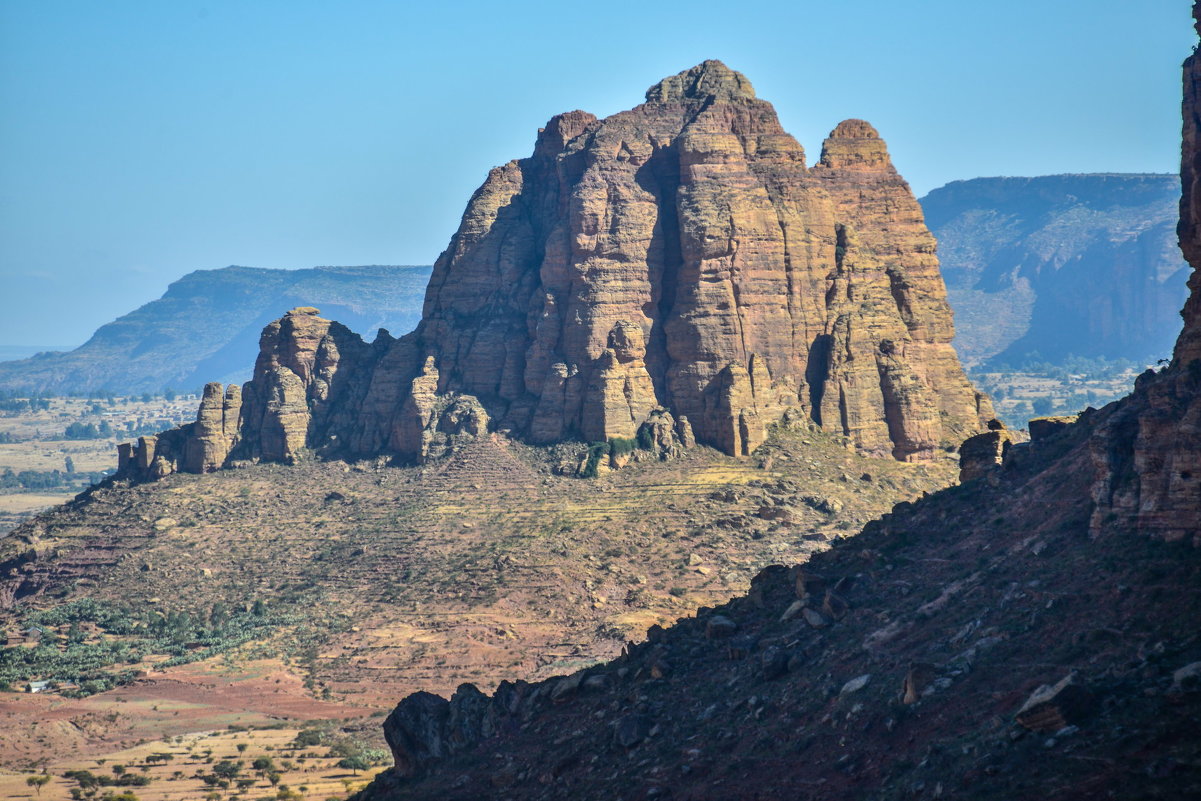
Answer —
1041 269
676 266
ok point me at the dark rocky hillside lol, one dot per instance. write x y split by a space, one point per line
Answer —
893 666
206 327
1038 269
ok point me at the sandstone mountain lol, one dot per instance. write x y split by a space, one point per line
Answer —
206 328
1031 633
671 273
1038 269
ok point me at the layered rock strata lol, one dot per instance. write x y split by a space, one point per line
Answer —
676 257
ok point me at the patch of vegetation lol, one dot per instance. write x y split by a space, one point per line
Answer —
23 405
48 479
620 446
81 431
125 636
645 440
596 452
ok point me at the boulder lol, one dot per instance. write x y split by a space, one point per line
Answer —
1056 706
1042 428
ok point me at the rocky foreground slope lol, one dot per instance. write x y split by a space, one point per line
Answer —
674 272
1038 269
206 328
1031 633
383 580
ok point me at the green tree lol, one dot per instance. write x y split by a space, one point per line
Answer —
38 782
308 737
353 764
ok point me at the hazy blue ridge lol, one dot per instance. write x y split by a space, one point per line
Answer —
1038 269
206 327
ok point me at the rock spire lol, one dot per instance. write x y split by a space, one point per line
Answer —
676 258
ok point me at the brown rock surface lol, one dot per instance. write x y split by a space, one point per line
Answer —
982 454
679 256
1188 346
215 430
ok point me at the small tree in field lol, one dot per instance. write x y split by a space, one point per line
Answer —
353 764
37 782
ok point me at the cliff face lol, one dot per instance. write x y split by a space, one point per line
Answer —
679 257
1148 453
1188 347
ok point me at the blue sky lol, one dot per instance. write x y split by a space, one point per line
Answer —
143 140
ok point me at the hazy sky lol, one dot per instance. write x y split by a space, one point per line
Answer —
143 140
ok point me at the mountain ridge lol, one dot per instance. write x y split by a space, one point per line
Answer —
1030 263
205 327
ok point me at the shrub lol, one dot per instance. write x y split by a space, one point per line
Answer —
596 452
619 446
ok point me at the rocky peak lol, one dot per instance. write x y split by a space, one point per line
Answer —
1147 451
678 262
560 130
855 145
710 80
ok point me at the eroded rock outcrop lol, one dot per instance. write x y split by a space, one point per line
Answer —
1147 454
981 455
676 258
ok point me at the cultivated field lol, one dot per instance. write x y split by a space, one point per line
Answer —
1019 396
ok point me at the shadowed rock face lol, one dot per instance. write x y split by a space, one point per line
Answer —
1148 453
1188 346
679 256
